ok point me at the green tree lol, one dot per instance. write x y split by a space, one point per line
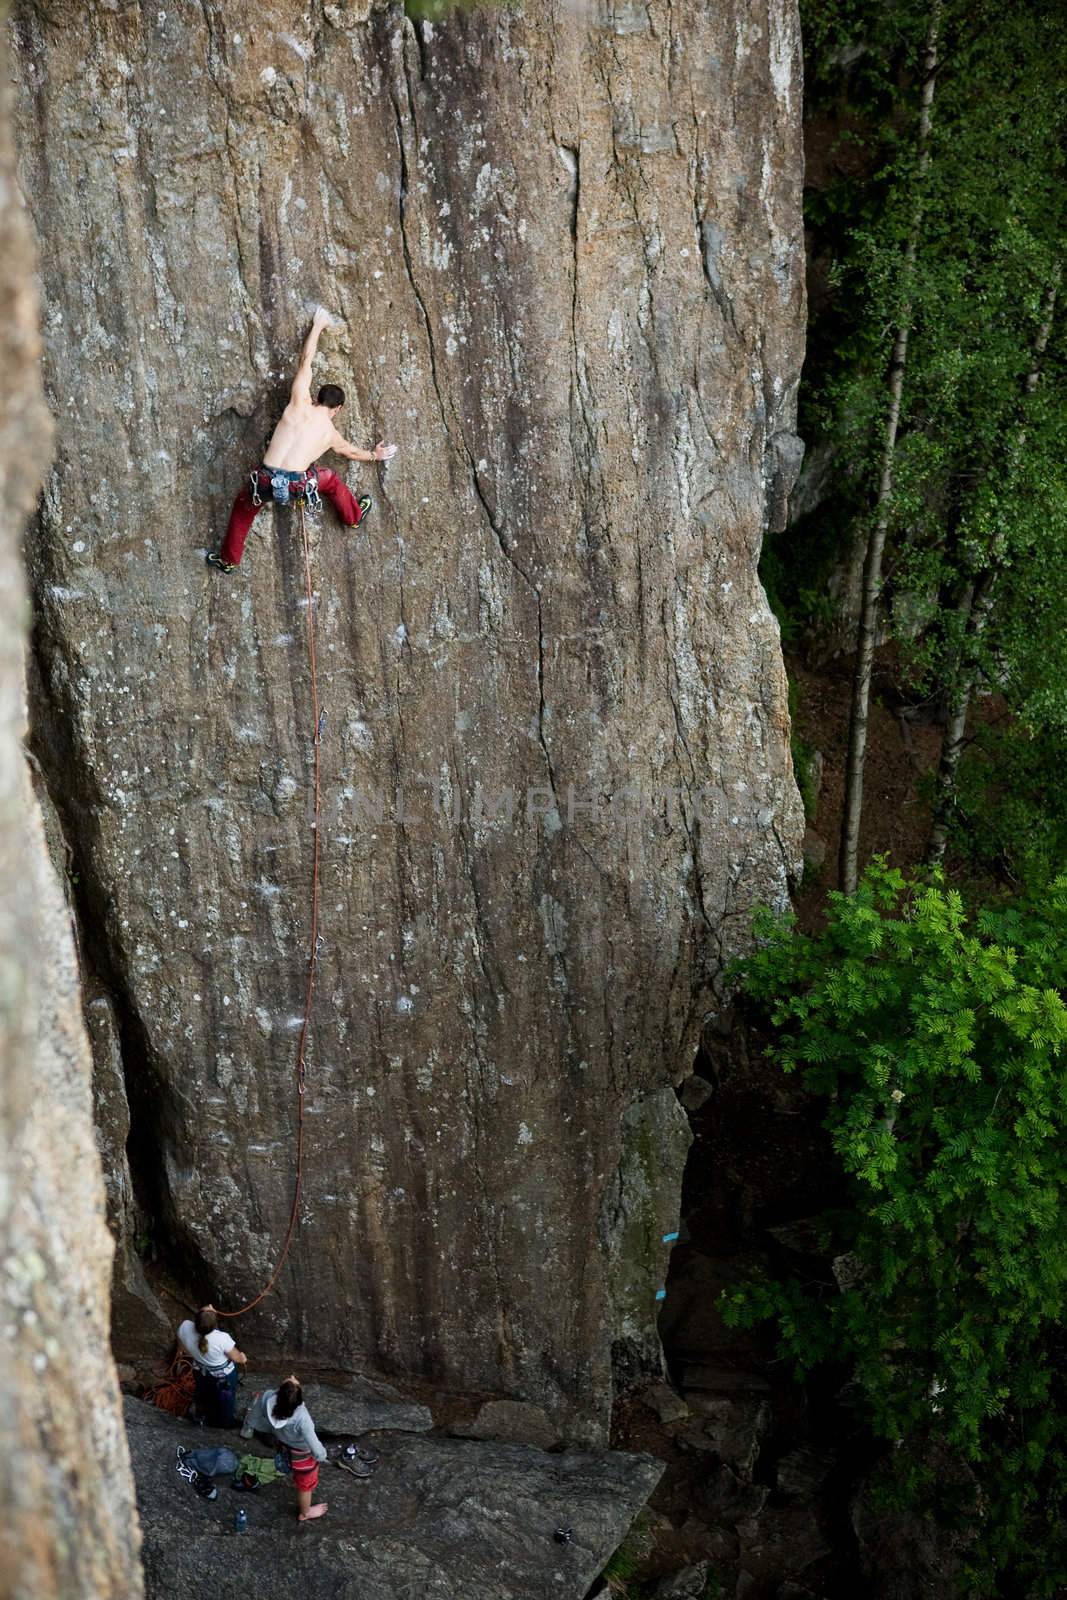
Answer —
938 1042
903 276
940 242
1010 822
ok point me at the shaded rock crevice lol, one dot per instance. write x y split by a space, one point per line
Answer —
135 1147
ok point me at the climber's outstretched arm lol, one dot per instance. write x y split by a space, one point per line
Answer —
301 390
352 452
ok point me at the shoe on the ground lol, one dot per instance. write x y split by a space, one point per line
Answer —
216 561
365 504
204 1487
355 1452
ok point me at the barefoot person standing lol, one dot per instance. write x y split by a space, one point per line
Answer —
215 1359
282 1412
288 472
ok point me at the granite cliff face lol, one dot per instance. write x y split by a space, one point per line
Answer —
567 253
67 1523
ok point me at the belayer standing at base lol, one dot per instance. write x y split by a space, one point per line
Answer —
288 471
282 1412
215 1359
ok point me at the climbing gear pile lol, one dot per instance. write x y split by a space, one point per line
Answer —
317 720
214 1461
173 1391
259 1469
203 1486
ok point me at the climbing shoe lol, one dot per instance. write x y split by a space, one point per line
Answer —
365 504
355 1453
216 561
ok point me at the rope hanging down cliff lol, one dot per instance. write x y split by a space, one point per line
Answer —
313 945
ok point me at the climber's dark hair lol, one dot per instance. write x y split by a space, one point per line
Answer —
206 1322
331 394
289 1398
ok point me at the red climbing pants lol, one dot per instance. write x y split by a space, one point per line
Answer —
244 512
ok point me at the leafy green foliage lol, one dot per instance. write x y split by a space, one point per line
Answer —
980 476
440 10
1011 818
938 1042
621 1571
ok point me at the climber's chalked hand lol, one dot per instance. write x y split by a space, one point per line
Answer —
383 451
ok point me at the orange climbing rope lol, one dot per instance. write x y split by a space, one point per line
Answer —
173 1391
313 948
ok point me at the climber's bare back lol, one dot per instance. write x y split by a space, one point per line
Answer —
307 428
305 432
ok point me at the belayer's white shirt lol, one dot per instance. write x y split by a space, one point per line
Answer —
219 1345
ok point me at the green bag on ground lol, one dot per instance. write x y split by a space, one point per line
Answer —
261 1468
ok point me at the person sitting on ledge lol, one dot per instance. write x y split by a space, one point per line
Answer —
283 1413
287 471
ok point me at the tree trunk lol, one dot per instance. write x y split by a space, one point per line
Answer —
872 566
975 606
974 609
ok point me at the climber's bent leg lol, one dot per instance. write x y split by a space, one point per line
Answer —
241 519
350 511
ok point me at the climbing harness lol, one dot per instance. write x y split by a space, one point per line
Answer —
285 487
314 939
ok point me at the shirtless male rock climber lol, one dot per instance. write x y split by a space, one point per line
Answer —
288 471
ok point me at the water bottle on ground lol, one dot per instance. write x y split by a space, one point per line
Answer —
240 1520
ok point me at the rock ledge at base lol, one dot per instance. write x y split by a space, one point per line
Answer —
351 1406
443 1518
